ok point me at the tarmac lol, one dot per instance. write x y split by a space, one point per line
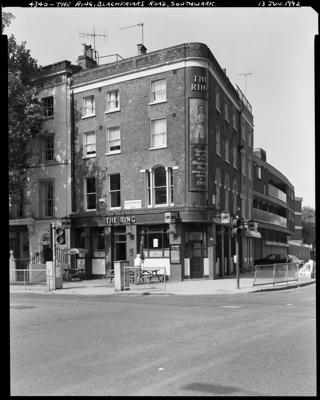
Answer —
226 285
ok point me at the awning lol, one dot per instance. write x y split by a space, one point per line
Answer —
253 234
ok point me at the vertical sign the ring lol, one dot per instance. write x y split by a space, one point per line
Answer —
197 80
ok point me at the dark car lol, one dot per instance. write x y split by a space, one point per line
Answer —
278 258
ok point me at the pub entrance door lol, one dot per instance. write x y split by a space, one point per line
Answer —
196 258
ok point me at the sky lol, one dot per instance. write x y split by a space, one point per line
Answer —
275 45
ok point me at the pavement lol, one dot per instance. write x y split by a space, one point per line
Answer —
227 285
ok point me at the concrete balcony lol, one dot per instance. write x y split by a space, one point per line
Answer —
278 194
265 216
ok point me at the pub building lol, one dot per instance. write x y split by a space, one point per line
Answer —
162 149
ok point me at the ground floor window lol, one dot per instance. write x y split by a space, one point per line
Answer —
98 242
154 239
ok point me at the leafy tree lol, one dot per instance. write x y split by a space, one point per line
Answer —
309 225
24 111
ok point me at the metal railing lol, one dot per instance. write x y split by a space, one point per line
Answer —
275 273
136 278
27 277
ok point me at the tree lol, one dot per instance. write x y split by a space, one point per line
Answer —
309 225
24 111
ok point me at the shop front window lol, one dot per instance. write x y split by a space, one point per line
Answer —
155 240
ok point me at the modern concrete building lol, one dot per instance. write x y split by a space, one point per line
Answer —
277 211
163 148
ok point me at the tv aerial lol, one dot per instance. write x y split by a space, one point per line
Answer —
93 35
245 74
132 26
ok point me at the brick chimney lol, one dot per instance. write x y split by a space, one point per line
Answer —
142 50
86 60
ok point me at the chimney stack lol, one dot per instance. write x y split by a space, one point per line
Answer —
142 50
86 60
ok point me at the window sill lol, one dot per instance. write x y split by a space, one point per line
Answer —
90 209
228 162
113 152
47 117
157 148
114 208
157 102
219 111
218 154
88 116
112 111
89 156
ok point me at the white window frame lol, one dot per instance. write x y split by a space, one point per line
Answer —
150 187
90 193
243 130
153 133
86 145
113 104
111 130
87 109
259 172
160 95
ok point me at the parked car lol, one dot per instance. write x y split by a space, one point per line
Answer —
278 258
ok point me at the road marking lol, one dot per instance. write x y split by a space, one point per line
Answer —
230 306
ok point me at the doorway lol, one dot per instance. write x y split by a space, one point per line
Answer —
196 258
119 247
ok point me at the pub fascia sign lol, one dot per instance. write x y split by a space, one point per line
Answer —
121 220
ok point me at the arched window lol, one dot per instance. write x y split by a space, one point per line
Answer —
235 195
159 186
218 186
226 192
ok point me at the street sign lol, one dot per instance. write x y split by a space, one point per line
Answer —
225 218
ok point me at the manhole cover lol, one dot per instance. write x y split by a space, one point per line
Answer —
20 307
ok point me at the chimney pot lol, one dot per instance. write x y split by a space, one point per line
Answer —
141 49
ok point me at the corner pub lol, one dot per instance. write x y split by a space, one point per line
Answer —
156 162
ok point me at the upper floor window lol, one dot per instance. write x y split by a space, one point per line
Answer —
235 194
218 99
47 199
226 110
47 148
250 136
88 106
226 192
218 144
218 187
243 163
48 106
113 101
250 168
234 156
91 193
243 129
115 191
259 172
113 140
159 186
234 118
89 144
226 149
158 91
158 133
